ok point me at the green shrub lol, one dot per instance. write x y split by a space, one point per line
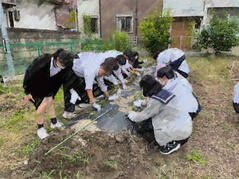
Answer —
155 32
121 41
220 35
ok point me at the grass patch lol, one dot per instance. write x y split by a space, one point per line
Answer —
2 89
14 120
1 141
111 163
207 69
196 156
79 156
225 127
27 149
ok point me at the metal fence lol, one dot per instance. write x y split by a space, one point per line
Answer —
24 53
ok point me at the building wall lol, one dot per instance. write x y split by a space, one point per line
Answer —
111 8
89 8
36 17
185 8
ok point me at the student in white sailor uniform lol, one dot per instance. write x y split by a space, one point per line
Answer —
175 58
171 126
236 99
42 80
185 100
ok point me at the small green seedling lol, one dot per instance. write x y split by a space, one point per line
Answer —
27 149
196 156
111 163
46 175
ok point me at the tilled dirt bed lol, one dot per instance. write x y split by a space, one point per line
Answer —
211 152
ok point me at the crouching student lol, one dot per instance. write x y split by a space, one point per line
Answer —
89 70
137 63
87 81
185 100
171 126
236 99
117 72
74 93
130 61
175 58
42 80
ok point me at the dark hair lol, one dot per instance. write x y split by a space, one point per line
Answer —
130 55
128 52
121 59
76 56
109 64
136 54
66 58
166 71
155 55
149 85
113 63
56 54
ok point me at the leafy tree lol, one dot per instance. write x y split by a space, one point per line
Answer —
220 35
155 31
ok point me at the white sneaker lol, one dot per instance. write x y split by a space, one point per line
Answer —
57 124
42 133
68 115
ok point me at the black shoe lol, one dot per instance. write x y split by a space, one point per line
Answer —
169 148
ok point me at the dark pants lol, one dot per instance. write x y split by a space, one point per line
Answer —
137 64
236 107
146 127
78 84
194 114
124 75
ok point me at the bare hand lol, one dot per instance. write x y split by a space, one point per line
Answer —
27 98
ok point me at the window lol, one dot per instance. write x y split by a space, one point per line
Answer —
125 23
90 24
11 19
94 25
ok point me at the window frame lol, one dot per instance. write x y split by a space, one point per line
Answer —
124 16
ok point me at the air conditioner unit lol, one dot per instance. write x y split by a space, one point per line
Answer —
17 15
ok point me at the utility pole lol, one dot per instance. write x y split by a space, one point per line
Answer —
6 44
136 21
76 16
